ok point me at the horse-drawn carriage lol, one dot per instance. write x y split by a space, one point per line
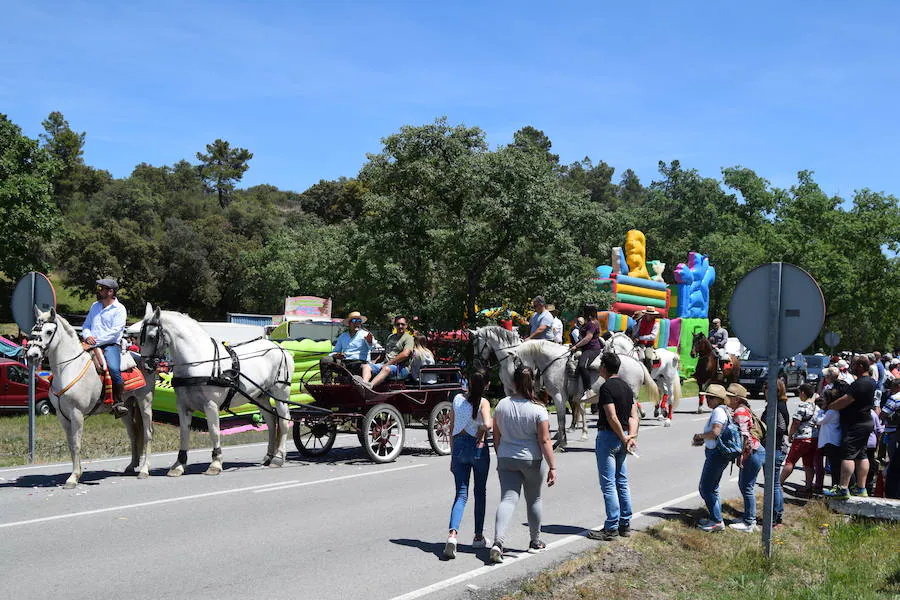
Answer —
378 416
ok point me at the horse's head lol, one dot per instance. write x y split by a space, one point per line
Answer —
481 350
699 345
153 336
42 337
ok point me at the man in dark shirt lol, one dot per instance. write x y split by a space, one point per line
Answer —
856 425
617 429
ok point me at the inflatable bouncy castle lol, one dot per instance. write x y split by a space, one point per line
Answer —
636 283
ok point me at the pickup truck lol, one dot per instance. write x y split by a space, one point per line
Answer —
755 371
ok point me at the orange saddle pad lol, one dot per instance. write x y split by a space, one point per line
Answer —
134 380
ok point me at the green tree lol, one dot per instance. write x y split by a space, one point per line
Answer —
222 167
534 140
448 225
28 216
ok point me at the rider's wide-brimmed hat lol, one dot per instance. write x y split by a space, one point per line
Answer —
354 315
550 307
650 312
717 391
738 391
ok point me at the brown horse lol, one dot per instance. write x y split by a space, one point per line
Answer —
708 369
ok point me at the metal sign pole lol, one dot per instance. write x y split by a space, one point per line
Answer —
772 442
31 408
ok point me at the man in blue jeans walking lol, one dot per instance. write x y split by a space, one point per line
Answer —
103 328
617 430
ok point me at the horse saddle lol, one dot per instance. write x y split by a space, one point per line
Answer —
131 375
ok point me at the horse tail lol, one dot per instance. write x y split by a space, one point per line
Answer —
676 386
651 385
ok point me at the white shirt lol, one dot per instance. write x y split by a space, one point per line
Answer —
829 422
718 415
557 328
105 323
462 417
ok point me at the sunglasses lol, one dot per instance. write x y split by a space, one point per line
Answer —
356 320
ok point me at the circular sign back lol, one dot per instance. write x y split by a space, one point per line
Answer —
801 313
832 339
34 289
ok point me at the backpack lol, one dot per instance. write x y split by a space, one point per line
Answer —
730 444
757 427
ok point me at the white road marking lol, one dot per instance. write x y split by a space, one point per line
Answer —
251 488
517 559
290 484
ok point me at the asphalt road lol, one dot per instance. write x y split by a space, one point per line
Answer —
341 528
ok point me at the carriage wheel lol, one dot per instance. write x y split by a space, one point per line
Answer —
314 439
383 432
439 428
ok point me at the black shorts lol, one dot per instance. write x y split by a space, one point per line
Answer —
854 440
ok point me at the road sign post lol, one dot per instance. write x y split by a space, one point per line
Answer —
33 290
777 310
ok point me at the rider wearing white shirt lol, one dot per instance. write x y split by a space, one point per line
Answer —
103 328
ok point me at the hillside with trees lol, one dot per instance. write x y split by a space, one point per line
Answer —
434 224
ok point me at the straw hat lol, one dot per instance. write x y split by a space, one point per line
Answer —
650 312
717 391
738 391
354 315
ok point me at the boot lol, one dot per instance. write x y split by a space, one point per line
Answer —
118 405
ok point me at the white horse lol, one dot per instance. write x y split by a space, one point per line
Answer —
631 370
545 358
77 392
666 375
202 374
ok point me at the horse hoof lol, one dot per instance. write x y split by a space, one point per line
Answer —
668 423
129 470
584 437
267 461
656 411
70 485
175 471
276 462
143 475
213 471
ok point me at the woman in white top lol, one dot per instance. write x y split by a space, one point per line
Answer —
715 463
470 420
422 357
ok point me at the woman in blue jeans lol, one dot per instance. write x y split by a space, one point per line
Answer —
751 460
715 462
470 420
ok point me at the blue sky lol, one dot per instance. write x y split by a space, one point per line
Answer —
311 87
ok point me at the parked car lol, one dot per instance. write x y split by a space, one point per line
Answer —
14 388
755 371
815 364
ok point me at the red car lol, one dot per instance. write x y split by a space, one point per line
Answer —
14 388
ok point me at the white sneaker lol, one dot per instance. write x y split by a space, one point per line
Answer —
496 554
482 543
712 526
743 527
450 548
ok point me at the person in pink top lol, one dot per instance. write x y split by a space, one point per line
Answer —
751 460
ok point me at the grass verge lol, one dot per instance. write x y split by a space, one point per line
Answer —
103 437
818 555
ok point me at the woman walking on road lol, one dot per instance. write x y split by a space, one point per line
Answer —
715 463
470 420
521 438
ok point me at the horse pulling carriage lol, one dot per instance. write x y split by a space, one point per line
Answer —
379 416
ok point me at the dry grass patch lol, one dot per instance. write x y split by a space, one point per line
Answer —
819 555
103 437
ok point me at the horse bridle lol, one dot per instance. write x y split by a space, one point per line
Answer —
153 359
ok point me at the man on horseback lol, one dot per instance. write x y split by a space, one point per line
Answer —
541 323
718 337
103 329
646 331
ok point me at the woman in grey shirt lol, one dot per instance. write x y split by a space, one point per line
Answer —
521 438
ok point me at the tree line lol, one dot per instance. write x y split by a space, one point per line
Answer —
435 225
